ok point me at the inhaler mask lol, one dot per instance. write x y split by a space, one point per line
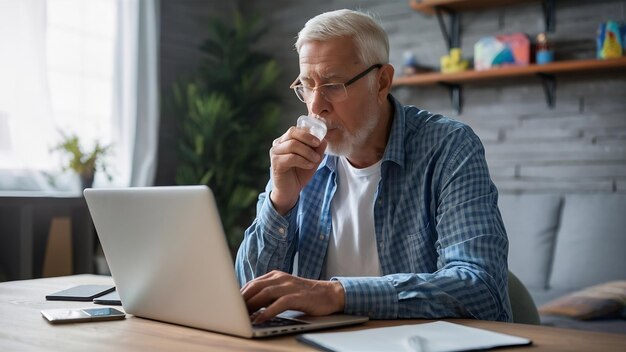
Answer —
312 125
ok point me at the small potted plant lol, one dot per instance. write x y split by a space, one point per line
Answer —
83 163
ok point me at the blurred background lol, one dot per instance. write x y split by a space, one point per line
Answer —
115 93
118 93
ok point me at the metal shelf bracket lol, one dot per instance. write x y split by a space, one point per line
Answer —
452 36
549 88
456 96
549 14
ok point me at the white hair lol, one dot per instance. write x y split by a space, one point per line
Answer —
370 39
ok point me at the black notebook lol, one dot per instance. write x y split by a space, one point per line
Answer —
84 293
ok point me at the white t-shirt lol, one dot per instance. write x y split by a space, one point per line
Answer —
352 247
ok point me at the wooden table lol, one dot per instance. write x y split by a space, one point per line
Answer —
23 328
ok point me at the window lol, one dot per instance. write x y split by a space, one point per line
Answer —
57 67
77 67
80 58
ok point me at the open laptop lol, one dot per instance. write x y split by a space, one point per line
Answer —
170 261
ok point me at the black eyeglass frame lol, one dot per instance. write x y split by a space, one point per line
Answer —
297 84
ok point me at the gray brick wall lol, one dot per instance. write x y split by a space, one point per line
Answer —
579 146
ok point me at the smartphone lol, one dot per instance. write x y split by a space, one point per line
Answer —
58 316
84 293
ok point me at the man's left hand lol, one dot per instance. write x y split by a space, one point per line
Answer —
279 291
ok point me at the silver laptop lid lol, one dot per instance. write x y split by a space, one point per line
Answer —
168 256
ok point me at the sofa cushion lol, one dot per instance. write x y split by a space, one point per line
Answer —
531 222
590 242
603 301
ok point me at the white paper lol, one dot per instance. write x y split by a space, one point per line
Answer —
439 336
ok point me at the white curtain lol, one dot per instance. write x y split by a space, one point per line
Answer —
26 121
136 106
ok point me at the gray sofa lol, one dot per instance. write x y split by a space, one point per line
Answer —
560 244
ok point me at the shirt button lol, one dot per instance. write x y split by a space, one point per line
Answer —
281 230
321 237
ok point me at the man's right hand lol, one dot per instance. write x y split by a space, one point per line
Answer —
295 157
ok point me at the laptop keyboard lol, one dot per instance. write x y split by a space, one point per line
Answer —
278 322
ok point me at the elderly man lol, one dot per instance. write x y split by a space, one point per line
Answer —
392 214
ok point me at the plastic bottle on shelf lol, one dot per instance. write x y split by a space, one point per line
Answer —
544 53
409 66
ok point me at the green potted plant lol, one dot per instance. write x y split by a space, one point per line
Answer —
228 116
83 163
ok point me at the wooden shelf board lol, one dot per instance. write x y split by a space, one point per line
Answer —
509 72
428 6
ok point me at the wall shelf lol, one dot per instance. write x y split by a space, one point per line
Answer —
471 76
429 7
546 72
452 35
451 31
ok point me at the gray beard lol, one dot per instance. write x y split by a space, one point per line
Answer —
353 142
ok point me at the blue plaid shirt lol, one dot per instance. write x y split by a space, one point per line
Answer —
441 242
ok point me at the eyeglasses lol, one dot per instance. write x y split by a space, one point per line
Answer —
332 92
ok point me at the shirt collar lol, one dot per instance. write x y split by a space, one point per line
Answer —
394 151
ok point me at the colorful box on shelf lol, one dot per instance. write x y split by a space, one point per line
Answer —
611 40
512 49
